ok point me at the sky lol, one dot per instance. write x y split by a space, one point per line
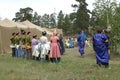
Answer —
8 8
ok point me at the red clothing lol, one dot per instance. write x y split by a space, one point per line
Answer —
54 47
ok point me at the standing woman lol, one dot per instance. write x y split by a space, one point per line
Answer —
54 48
101 48
81 42
35 54
43 41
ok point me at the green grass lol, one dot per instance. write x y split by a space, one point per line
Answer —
72 67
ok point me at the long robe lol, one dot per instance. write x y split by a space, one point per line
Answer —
62 49
54 48
44 50
100 47
34 51
81 42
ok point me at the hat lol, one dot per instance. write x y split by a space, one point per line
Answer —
44 33
28 32
23 32
17 33
34 35
13 33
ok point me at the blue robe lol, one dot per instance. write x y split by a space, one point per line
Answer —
81 42
100 46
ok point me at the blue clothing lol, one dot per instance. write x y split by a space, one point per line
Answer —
100 47
71 44
62 49
19 52
81 42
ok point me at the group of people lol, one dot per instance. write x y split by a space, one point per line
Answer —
30 47
42 49
100 46
69 43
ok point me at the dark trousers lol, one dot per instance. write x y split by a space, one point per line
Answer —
28 53
53 60
13 52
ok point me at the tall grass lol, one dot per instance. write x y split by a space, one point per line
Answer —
72 67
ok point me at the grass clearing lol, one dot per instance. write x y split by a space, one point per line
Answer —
72 67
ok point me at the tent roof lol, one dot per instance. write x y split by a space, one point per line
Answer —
31 25
7 23
21 25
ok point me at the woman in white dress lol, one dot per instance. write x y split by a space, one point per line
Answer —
44 46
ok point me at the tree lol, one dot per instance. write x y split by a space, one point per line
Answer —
52 20
36 19
45 20
108 13
82 16
67 29
23 14
114 34
60 18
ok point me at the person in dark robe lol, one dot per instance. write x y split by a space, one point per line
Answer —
62 49
81 42
100 46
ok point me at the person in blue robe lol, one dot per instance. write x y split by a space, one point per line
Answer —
81 42
100 46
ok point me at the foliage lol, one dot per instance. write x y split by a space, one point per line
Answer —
115 35
67 29
47 20
60 19
82 16
53 20
23 14
37 19
106 13
103 12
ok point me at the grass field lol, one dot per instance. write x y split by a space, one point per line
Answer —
72 67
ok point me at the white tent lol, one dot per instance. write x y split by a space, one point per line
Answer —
6 29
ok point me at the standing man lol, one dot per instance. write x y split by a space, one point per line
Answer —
12 39
28 46
81 42
101 48
18 47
